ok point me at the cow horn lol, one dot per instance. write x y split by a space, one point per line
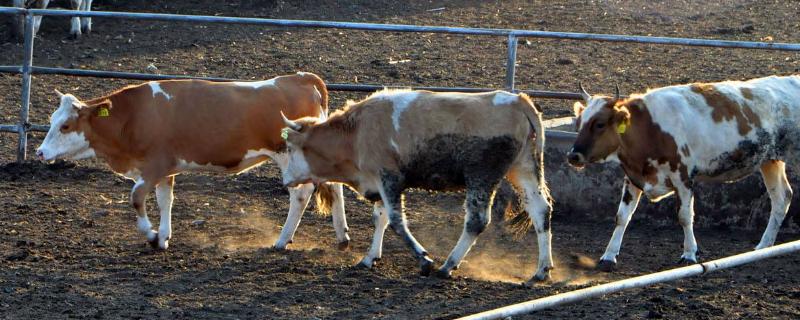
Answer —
59 93
616 91
586 96
290 123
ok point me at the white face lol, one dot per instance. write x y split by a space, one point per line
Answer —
594 105
297 170
63 141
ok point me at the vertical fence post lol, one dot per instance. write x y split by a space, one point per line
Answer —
26 88
511 62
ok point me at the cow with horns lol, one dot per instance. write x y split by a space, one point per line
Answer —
153 131
399 139
668 138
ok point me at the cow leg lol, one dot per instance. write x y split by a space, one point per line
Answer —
475 221
138 196
75 28
539 210
18 22
338 216
164 199
780 194
37 20
391 190
630 199
686 220
381 221
86 23
298 201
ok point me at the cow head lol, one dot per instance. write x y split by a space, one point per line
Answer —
66 138
296 134
599 123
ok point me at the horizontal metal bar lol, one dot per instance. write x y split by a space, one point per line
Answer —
411 28
331 86
38 127
636 282
9 128
11 69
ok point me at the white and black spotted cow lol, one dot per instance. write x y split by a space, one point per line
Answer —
79 25
668 138
399 139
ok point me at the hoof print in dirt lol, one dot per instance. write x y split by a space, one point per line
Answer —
606 265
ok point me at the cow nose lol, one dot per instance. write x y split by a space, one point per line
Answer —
576 158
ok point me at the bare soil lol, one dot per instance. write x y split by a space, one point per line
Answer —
70 248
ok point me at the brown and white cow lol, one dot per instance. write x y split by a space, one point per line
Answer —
153 131
668 138
399 139
79 25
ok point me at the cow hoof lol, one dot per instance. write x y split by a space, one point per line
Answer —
154 244
606 265
281 245
686 261
366 263
344 245
425 266
536 279
75 36
444 274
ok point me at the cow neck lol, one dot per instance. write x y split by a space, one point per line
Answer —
107 134
638 145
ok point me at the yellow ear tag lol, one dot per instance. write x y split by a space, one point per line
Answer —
621 128
285 133
102 112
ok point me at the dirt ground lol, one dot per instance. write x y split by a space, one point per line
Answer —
70 248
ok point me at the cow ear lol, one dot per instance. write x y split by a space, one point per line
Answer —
622 115
102 109
578 108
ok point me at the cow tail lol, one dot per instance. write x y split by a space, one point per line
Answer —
519 222
323 194
323 91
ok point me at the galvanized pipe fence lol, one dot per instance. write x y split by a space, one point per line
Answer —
27 68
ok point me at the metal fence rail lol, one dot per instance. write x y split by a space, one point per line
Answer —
513 35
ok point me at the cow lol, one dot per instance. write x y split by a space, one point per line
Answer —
153 131
668 138
79 25
399 139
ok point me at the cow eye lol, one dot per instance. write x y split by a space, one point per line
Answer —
600 125
64 127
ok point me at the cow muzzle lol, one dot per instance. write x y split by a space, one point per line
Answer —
576 159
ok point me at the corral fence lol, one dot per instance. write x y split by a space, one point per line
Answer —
27 68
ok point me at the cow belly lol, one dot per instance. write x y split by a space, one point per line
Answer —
451 162
742 161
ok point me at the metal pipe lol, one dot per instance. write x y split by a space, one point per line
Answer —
9 128
511 62
38 127
412 28
27 62
331 86
11 69
637 282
